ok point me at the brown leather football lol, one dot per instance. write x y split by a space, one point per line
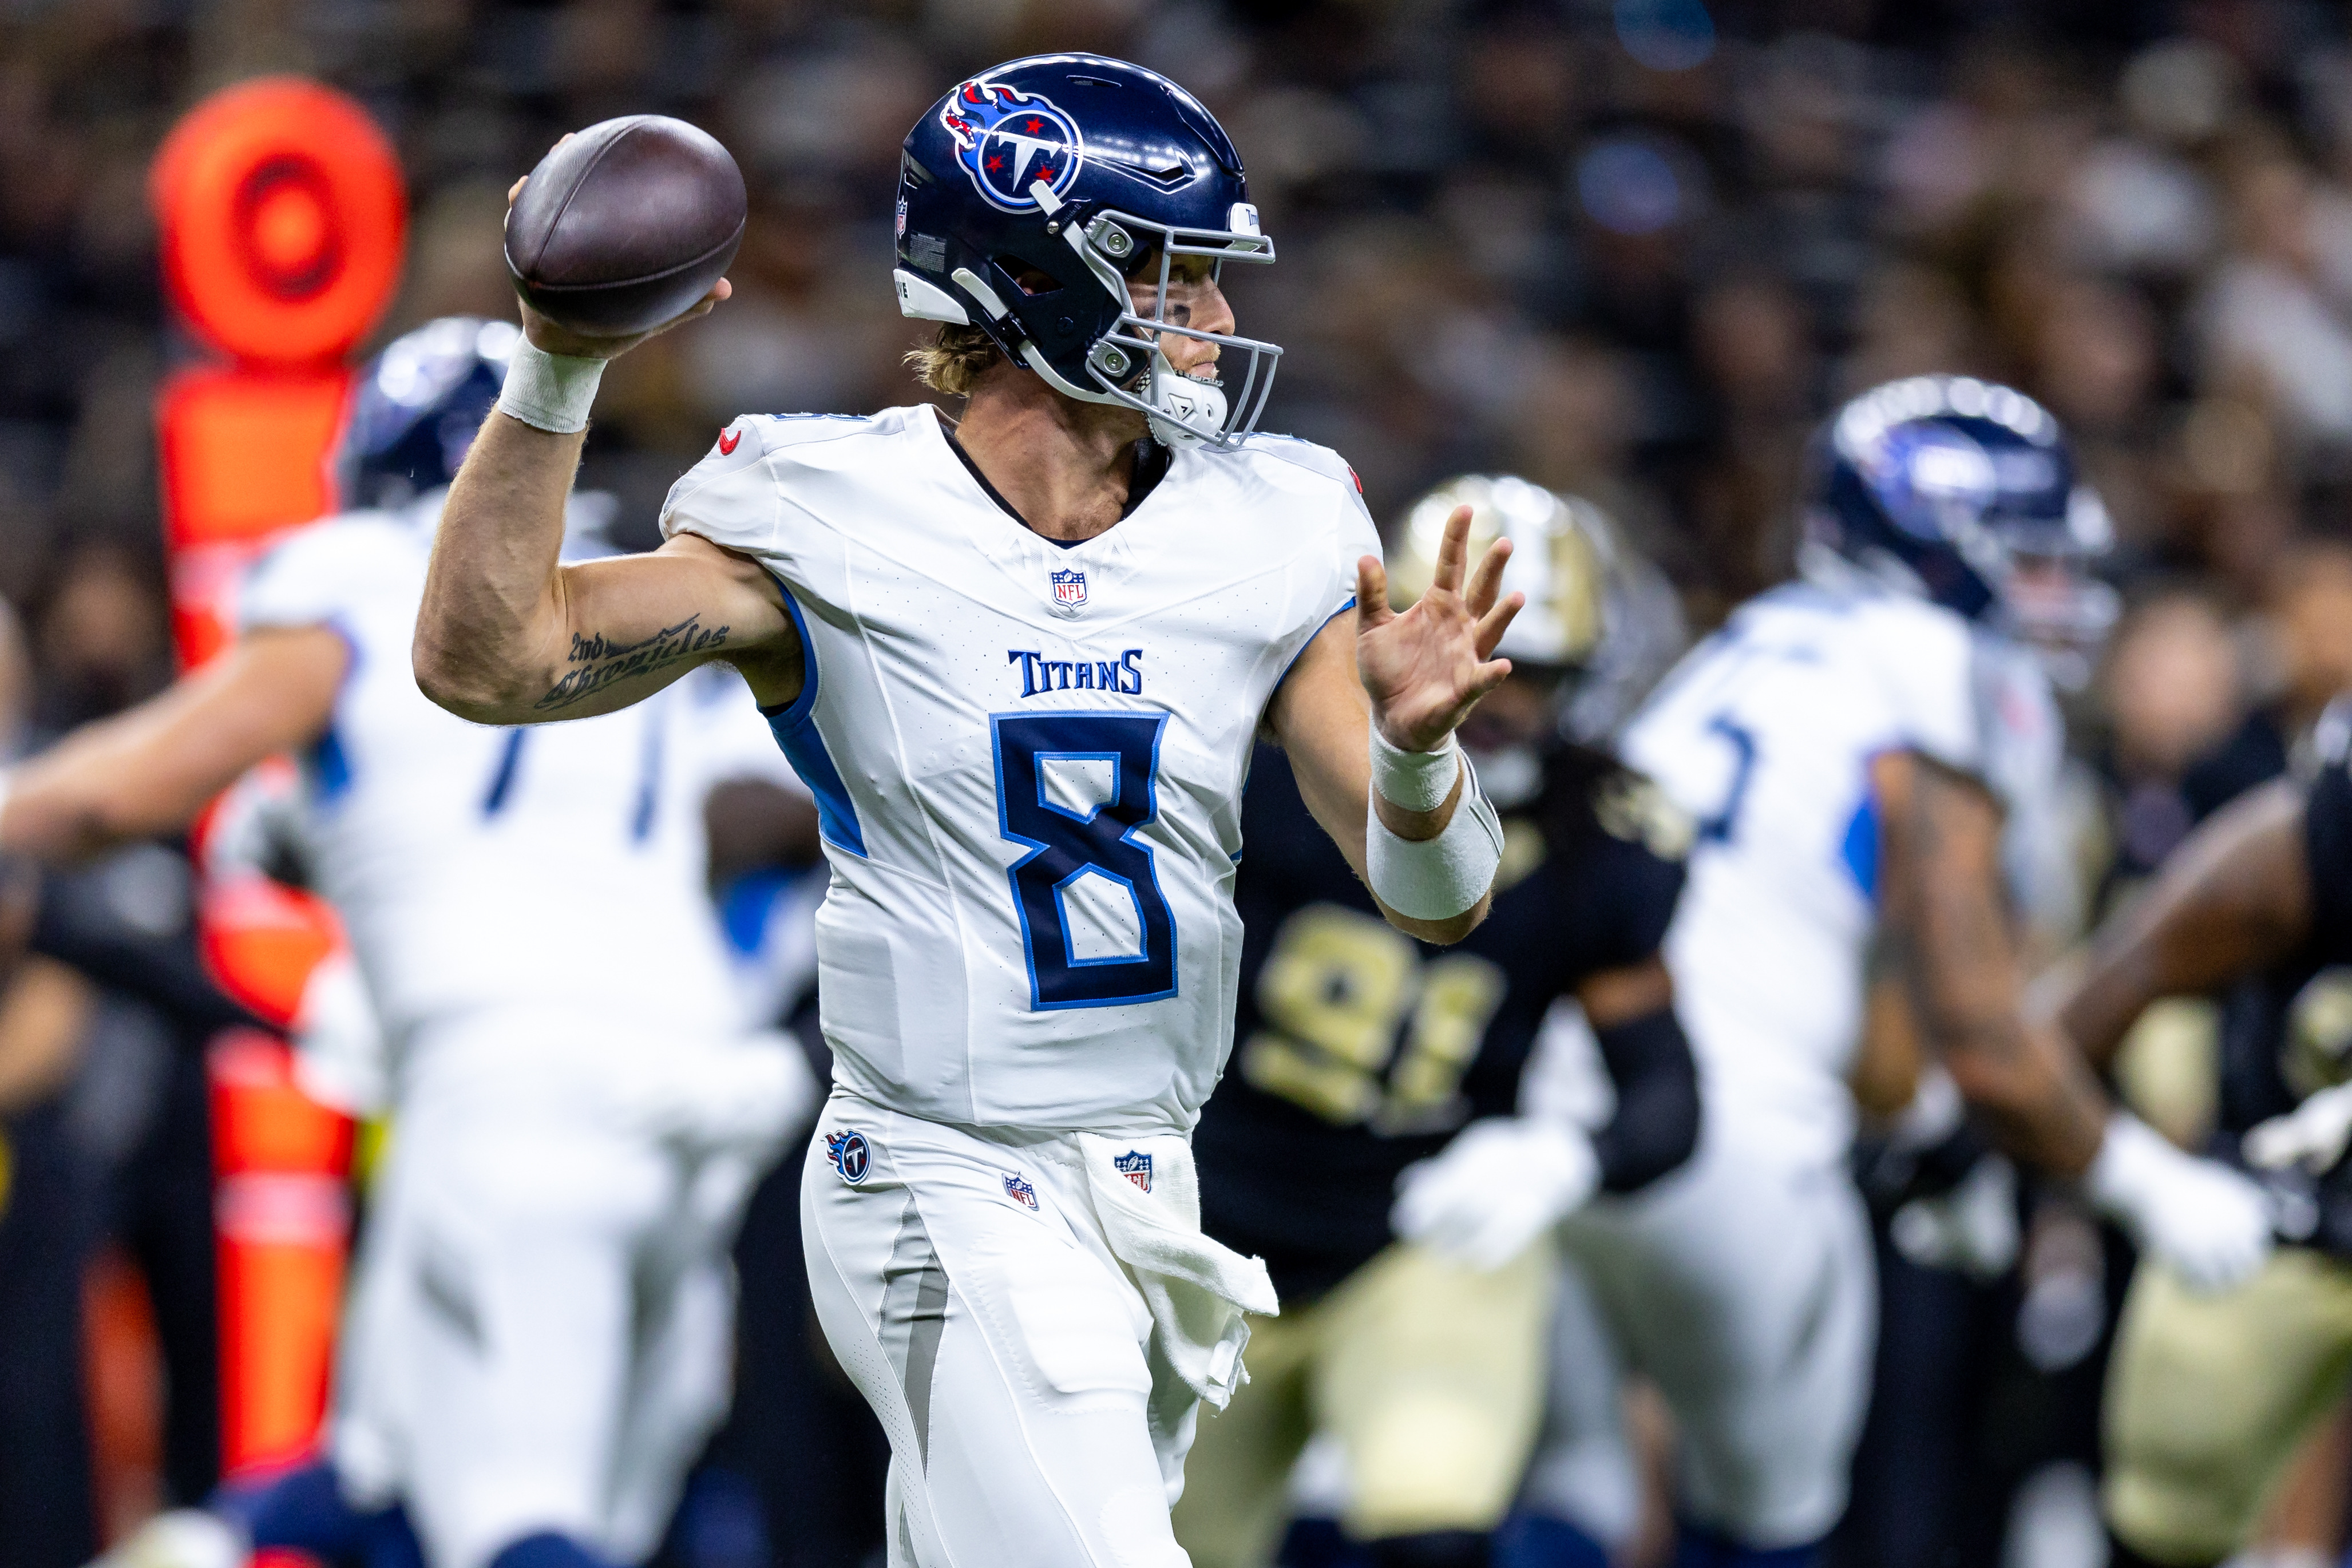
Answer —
626 225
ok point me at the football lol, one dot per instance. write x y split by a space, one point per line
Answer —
626 225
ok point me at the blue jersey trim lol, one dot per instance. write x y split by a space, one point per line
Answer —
329 766
1860 849
796 733
641 819
329 761
502 781
746 905
1311 635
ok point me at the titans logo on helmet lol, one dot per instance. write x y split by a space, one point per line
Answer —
849 1154
1008 140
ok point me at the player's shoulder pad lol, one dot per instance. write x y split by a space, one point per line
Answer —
748 439
1592 788
352 539
1629 806
1296 469
1302 454
323 569
761 448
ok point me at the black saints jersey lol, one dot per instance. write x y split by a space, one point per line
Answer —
1359 1050
2289 1034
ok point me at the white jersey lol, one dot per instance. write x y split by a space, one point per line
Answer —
554 869
1765 733
1028 760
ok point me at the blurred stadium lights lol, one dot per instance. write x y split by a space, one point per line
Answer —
1665 34
1628 186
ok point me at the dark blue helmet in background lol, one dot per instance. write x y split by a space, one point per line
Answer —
1965 493
1075 173
417 408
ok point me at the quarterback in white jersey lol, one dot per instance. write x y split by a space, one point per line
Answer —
537 1344
1021 660
1868 754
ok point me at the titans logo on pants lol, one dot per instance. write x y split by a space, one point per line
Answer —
1008 140
849 1154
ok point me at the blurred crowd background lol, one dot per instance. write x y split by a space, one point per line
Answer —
1634 248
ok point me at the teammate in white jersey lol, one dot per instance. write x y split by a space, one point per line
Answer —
539 1339
1022 660
1868 754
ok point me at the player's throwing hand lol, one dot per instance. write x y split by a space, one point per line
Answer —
1426 669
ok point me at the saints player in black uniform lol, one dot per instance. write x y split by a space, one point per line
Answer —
2209 1395
1416 1337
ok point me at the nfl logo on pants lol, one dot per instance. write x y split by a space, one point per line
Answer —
1069 589
1136 1166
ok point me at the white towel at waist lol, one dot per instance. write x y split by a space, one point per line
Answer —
1146 1195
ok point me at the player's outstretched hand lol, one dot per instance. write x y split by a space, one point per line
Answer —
1425 669
555 338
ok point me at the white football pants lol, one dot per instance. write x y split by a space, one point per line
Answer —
1743 1287
967 1288
541 1325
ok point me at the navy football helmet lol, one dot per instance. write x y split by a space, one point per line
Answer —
1088 171
417 408
1965 493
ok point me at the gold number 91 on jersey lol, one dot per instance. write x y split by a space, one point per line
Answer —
1345 995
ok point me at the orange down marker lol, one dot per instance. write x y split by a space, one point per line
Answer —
282 213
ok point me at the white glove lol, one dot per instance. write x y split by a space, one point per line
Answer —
1498 1185
2312 1135
2210 1224
184 1538
1971 1228
744 1098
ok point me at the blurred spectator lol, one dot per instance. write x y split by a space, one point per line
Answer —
2304 644
99 636
2171 687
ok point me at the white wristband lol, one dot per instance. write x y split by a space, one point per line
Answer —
1417 780
1436 878
550 392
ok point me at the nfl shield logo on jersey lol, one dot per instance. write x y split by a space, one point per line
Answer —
1018 1189
1136 1166
849 1154
1069 589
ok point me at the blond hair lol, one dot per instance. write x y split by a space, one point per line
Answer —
955 360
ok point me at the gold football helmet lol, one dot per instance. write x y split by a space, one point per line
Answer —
1597 611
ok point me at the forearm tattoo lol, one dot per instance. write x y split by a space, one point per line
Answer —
598 662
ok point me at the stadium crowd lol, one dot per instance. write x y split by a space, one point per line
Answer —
1632 251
